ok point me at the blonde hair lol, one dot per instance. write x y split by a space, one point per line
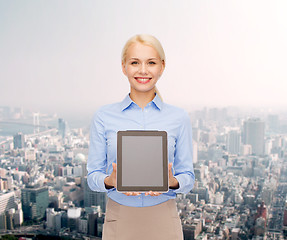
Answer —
148 40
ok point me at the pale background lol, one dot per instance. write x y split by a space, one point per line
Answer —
64 56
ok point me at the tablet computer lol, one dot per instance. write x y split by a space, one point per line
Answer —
142 163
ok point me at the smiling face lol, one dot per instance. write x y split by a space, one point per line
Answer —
143 67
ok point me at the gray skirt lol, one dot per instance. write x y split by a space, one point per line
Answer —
159 222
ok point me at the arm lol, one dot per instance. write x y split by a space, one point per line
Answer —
183 165
97 159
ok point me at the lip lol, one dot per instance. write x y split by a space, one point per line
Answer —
143 80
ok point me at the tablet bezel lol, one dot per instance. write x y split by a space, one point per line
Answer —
165 186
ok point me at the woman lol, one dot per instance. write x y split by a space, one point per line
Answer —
152 215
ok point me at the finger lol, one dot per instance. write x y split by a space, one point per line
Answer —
157 193
148 193
153 194
132 193
135 193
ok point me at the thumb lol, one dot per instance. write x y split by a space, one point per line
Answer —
169 166
170 174
114 167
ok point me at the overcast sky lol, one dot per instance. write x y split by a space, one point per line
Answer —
65 55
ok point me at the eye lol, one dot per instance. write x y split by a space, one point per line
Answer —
134 63
151 63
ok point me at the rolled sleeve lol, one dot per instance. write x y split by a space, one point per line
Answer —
97 159
96 181
183 165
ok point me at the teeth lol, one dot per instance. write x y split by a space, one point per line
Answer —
143 79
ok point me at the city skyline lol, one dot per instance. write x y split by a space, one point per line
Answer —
62 56
239 191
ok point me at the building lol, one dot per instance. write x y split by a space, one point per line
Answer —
245 150
18 218
50 218
74 215
6 183
191 231
35 200
273 123
260 226
7 201
285 215
253 134
194 152
11 214
235 233
3 224
233 142
261 213
19 141
62 127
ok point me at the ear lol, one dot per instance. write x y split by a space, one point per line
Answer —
163 67
124 68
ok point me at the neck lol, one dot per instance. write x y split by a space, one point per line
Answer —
142 99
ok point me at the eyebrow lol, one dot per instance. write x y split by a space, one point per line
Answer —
154 58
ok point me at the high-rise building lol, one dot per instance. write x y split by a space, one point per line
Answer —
285 215
11 214
196 134
74 215
18 140
7 201
253 134
18 217
268 147
273 123
9 218
261 211
3 223
194 151
35 200
50 218
95 223
233 142
62 127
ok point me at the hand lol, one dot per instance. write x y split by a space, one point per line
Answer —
173 183
111 181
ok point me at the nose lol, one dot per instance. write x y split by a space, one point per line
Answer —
143 69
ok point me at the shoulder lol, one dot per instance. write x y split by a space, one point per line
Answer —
105 110
177 115
176 111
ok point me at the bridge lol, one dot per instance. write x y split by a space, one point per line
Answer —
26 124
9 139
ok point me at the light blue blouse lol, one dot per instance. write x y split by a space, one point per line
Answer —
127 115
